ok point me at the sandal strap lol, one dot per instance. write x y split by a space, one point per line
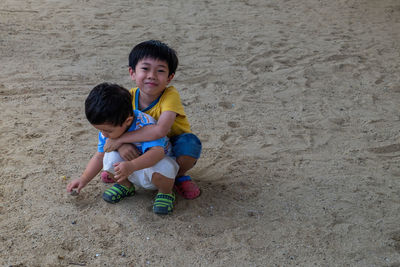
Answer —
169 197
181 179
117 192
164 203
118 189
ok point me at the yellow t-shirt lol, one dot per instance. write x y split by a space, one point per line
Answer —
168 101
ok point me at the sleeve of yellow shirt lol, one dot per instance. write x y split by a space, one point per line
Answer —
171 101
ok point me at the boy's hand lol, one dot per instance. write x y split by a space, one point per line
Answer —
128 152
111 145
77 183
123 170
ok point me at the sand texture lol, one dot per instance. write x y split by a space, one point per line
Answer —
296 103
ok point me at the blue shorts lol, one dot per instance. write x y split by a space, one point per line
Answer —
186 144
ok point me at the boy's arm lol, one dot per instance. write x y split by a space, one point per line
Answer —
148 159
93 167
147 133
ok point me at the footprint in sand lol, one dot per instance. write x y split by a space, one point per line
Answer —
385 149
33 135
233 124
76 134
226 105
396 239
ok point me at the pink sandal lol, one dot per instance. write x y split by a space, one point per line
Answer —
105 178
186 187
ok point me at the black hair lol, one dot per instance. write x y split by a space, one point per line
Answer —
156 50
108 103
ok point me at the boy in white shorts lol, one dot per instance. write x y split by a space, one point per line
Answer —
109 109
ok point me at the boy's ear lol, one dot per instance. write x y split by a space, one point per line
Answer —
170 77
129 120
132 73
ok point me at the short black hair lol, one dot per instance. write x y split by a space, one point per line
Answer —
108 103
156 50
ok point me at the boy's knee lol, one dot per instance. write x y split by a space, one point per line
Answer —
110 158
186 144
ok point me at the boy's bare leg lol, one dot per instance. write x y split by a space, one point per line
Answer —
185 163
184 185
163 184
164 202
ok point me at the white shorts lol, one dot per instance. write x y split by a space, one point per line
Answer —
167 167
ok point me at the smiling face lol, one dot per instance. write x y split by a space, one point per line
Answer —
151 76
109 130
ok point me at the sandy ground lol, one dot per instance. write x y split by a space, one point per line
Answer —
296 103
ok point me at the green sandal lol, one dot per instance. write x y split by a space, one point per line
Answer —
118 192
164 203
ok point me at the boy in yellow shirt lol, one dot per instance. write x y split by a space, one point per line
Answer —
152 65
